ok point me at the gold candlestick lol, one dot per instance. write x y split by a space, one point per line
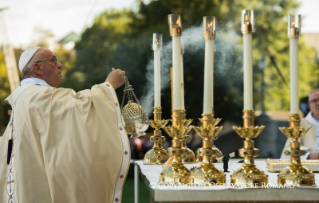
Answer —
207 174
214 122
157 155
295 174
249 174
188 156
175 172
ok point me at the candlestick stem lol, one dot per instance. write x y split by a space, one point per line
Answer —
157 155
249 174
207 173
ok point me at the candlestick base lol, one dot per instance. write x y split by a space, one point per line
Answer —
174 174
217 152
207 175
295 174
156 156
188 156
249 175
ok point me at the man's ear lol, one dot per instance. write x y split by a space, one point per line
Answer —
37 69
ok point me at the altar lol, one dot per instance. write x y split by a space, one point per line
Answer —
226 193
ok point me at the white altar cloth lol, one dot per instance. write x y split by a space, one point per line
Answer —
270 192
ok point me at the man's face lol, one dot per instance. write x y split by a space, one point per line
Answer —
314 104
50 67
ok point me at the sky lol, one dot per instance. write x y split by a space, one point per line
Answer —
59 16
65 16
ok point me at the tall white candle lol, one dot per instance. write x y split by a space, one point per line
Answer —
208 76
294 28
157 78
177 85
157 47
294 79
182 81
247 28
209 23
248 72
175 25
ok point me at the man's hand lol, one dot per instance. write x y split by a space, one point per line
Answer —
116 78
314 155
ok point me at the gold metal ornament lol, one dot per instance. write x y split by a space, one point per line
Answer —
249 174
157 155
215 121
188 156
207 174
135 117
295 174
277 165
174 171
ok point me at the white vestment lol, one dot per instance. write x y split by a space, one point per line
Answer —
68 147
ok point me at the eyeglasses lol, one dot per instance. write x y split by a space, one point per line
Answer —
53 60
314 101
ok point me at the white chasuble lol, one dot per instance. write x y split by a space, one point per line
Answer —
68 147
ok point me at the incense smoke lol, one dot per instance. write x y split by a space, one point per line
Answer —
226 45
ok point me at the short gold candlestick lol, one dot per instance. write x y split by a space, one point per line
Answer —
157 155
207 174
249 174
217 152
175 172
295 174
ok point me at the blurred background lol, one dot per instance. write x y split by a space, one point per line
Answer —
90 37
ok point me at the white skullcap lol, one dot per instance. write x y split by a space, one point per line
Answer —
26 56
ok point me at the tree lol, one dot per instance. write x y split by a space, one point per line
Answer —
122 39
4 93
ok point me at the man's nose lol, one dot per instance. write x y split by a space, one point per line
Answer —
60 65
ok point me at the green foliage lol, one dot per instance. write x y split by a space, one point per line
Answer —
4 93
122 39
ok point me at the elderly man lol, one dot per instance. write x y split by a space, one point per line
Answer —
61 145
310 141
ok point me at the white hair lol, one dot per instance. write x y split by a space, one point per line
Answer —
313 91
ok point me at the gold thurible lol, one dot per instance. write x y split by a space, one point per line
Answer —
249 175
295 174
157 155
207 174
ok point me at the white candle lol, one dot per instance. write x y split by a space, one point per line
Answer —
182 81
294 30
157 78
177 85
157 47
247 28
208 76
294 79
248 72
